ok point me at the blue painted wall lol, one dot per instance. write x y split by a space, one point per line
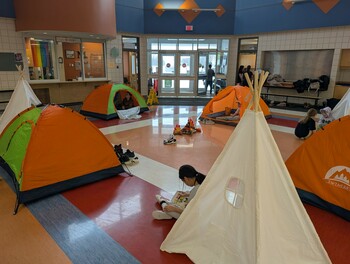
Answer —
241 16
7 9
130 15
256 16
171 22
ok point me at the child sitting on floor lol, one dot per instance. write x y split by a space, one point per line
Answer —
307 125
326 117
190 177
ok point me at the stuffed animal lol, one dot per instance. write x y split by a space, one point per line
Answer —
177 130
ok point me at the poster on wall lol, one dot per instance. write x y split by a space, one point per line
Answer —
18 57
9 60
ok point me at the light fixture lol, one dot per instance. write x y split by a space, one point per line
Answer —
297 1
191 9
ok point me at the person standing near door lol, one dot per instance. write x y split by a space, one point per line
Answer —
239 77
209 81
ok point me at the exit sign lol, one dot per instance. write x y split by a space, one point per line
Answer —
189 28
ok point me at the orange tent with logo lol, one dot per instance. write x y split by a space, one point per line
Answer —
50 150
320 168
227 99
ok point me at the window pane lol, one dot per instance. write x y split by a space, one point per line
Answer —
129 43
94 62
222 63
40 55
187 44
152 44
186 86
152 62
168 86
168 44
168 64
234 192
207 44
249 44
186 65
224 44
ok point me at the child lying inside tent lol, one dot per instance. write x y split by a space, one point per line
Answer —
228 116
173 208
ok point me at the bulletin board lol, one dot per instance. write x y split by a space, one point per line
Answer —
8 61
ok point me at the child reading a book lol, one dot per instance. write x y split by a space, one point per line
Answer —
174 207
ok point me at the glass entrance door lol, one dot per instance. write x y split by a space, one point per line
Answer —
177 75
205 58
186 74
167 74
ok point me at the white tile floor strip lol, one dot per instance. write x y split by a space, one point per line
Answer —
123 127
284 129
158 174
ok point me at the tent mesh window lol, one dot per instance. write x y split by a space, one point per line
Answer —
234 192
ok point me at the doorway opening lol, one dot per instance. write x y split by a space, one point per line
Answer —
131 62
247 53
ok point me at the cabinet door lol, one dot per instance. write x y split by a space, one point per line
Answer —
345 58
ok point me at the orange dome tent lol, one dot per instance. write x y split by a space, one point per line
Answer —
320 168
51 150
228 98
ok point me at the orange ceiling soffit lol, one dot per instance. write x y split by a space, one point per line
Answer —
287 4
221 10
189 15
326 5
159 9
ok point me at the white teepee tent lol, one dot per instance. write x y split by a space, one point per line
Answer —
343 106
22 98
247 210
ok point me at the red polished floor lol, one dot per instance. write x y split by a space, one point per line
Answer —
123 210
124 204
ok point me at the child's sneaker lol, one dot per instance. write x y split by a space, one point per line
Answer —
125 160
132 156
118 150
160 215
170 140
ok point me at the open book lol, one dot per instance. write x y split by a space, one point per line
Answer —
179 200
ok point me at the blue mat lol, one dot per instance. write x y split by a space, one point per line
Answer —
79 237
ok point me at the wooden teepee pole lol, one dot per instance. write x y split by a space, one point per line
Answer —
259 81
21 72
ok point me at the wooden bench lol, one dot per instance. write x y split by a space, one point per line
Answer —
286 96
289 86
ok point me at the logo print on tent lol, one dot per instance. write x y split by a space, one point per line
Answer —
339 176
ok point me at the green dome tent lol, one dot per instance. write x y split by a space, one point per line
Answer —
50 150
102 102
